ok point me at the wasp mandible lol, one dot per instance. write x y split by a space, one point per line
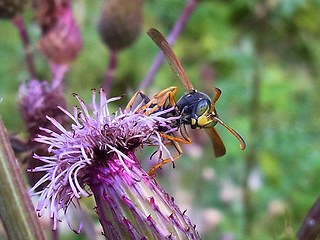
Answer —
195 108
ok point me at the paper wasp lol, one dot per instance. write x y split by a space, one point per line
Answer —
195 108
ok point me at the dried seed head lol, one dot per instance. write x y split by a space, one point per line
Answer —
120 23
9 8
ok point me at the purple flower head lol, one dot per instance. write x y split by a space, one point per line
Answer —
38 99
97 157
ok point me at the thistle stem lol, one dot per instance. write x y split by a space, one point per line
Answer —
58 72
131 205
113 62
172 37
16 211
18 22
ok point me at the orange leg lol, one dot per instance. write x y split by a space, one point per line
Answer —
175 142
165 161
130 103
184 133
158 100
162 97
177 139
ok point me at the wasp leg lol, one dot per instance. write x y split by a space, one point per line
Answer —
165 161
132 100
171 95
184 133
162 97
176 139
175 142
173 139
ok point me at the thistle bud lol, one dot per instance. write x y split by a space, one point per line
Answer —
120 23
98 157
45 13
61 43
9 8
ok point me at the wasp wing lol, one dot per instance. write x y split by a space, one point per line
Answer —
217 143
175 65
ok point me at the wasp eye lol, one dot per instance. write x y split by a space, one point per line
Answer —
202 107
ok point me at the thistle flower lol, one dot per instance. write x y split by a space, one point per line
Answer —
98 157
37 99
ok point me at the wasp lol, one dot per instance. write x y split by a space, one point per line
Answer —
195 108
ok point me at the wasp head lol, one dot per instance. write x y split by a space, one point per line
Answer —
204 115
196 110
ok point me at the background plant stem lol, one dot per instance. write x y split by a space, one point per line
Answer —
113 62
18 22
172 37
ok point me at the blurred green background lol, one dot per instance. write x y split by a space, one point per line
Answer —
263 55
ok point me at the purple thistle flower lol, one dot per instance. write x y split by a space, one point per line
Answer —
38 99
98 157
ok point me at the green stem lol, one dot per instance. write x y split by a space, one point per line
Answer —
16 211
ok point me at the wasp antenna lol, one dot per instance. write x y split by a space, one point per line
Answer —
237 135
215 99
